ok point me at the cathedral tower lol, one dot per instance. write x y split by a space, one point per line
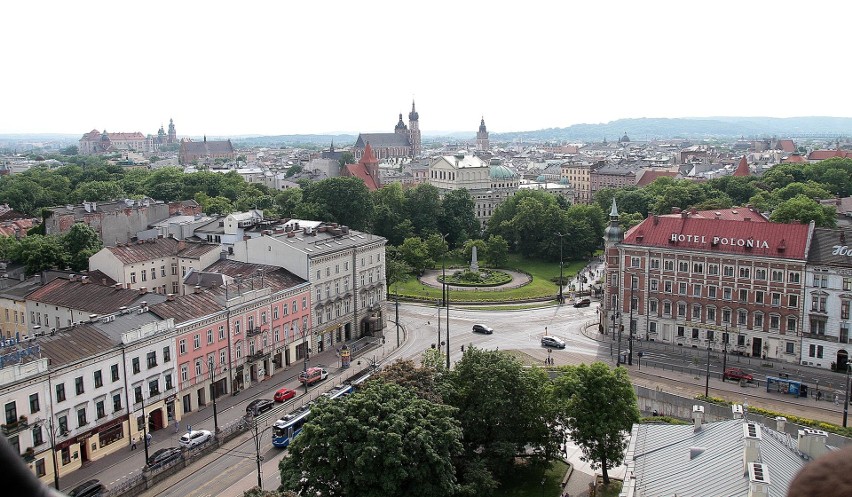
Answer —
414 131
482 137
172 133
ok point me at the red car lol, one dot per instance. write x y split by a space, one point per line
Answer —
284 394
737 374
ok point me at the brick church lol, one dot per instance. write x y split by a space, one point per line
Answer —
404 142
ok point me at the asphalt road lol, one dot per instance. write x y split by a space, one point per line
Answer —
233 468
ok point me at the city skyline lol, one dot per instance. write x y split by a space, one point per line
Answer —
298 69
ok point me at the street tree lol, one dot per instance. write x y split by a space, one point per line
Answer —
423 380
346 200
382 440
598 408
97 191
80 243
415 253
505 411
388 212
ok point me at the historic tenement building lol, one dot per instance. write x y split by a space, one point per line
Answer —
708 282
828 296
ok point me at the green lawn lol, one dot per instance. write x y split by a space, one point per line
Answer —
544 274
528 483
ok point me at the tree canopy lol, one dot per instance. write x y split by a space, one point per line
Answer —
598 408
382 440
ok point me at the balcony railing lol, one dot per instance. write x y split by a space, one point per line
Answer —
253 332
257 356
15 427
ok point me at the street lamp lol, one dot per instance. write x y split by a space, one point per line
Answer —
145 431
725 352
307 357
445 292
630 338
213 394
707 374
560 299
846 395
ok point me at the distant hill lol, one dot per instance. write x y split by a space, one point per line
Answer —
691 128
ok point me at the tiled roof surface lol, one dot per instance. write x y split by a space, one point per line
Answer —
648 176
276 277
207 147
74 344
787 241
360 171
187 307
827 154
832 247
742 168
157 248
382 140
733 214
85 296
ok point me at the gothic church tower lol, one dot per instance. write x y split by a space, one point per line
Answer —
482 137
414 131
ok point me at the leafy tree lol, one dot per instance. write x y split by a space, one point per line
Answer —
505 411
437 247
810 189
97 191
258 492
630 220
70 150
345 158
528 221
457 217
288 200
598 408
803 209
389 211
8 247
383 440
422 380
496 251
468 249
39 252
80 243
396 269
346 200
415 253
424 208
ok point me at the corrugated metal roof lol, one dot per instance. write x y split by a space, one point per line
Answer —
275 277
832 247
157 248
663 463
74 344
87 297
187 307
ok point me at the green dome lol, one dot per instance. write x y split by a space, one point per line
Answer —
541 178
501 172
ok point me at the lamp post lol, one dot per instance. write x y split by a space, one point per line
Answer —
725 352
307 358
145 431
630 335
445 293
707 374
213 394
846 395
620 329
560 299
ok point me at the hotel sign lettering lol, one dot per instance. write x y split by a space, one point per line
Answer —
723 240
842 250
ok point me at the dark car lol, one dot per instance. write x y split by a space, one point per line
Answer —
737 374
259 406
481 328
164 456
582 303
91 488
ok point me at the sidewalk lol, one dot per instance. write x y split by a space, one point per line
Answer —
203 417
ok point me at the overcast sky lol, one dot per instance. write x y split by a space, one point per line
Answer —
286 67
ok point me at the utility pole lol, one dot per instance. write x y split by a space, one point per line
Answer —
707 375
307 357
725 352
630 337
258 457
560 299
397 319
145 431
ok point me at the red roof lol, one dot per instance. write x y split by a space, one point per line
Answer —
794 158
360 171
780 240
828 154
733 214
368 157
648 176
787 145
742 168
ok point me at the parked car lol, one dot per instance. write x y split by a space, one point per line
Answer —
737 374
195 438
481 328
552 342
164 456
313 375
284 394
91 488
582 303
259 406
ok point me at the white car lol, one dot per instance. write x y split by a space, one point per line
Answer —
195 438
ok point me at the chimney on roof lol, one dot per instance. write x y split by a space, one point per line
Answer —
751 444
697 417
170 297
812 442
143 290
780 424
103 281
656 219
737 411
181 245
84 279
197 289
675 210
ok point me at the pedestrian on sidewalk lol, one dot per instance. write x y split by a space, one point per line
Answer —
133 443
177 426
148 439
